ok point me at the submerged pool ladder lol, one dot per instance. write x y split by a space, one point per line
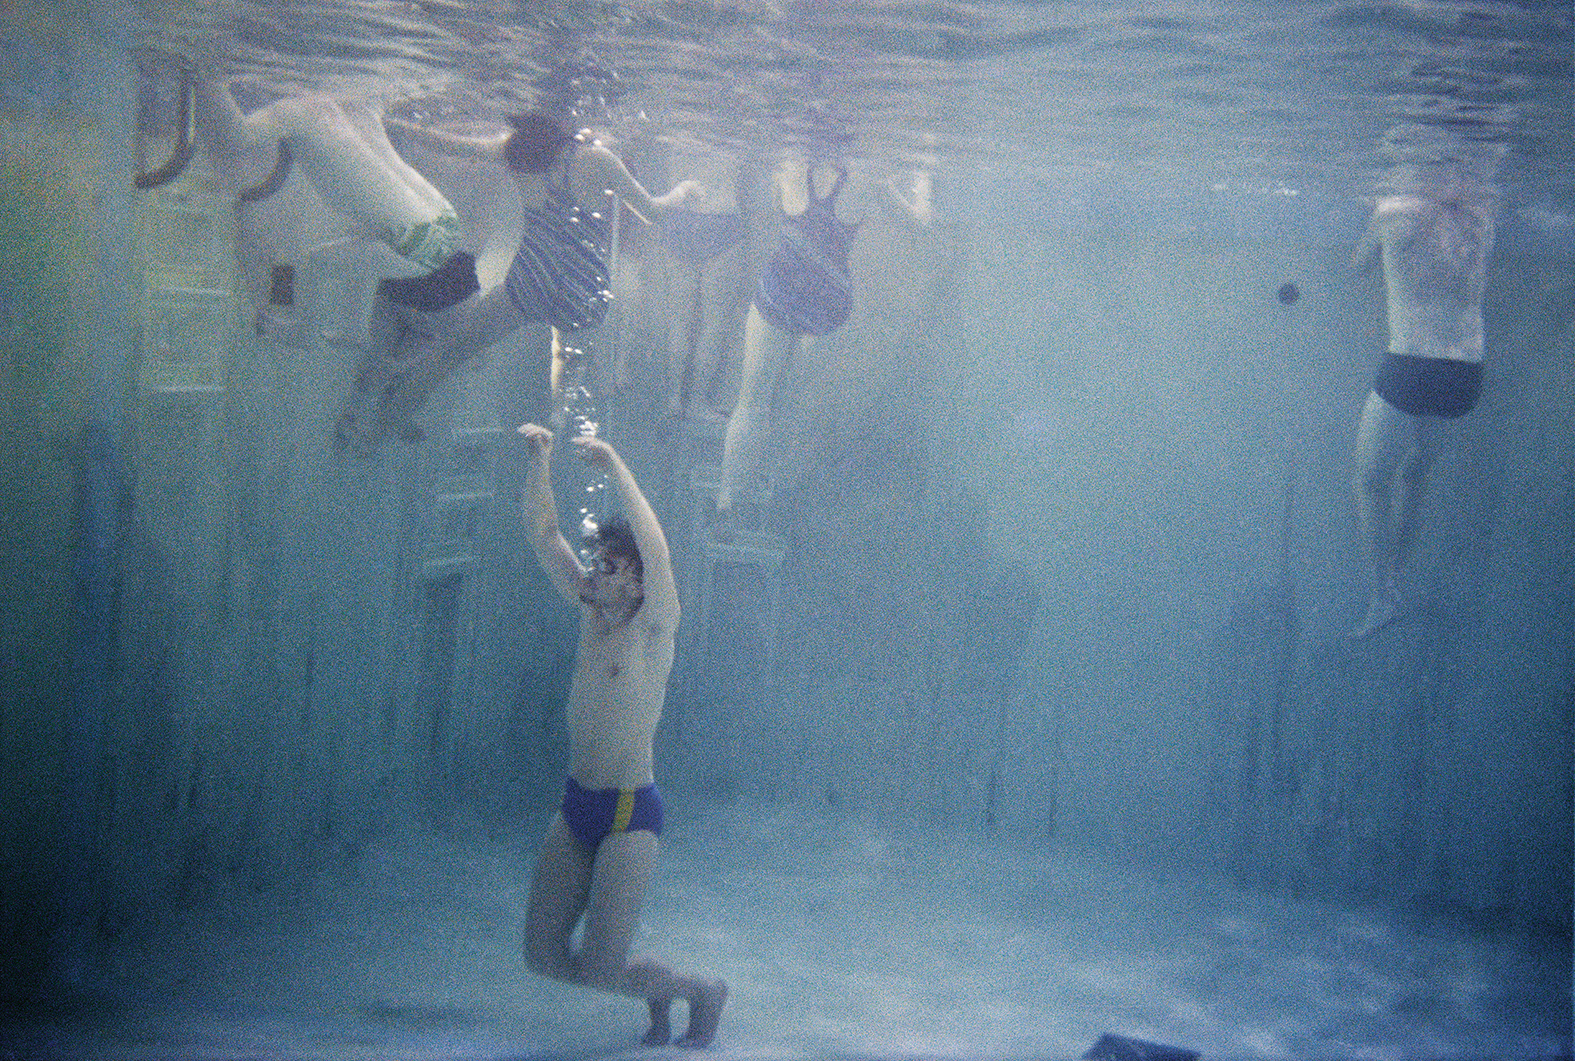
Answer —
746 546
185 132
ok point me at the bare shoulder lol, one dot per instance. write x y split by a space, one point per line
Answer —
1393 209
596 156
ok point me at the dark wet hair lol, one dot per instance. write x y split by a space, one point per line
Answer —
615 538
536 142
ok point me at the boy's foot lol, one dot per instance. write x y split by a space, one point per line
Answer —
661 1031
705 1013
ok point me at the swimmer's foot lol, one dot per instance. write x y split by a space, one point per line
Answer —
1381 611
282 328
723 524
661 1031
705 1013
356 429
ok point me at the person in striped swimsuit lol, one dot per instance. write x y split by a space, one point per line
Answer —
569 185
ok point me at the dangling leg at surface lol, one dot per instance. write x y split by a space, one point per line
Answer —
766 350
718 330
682 335
415 353
1386 440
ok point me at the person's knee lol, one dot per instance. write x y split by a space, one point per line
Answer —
537 963
603 957
1414 472
602 968
546 957
1369 482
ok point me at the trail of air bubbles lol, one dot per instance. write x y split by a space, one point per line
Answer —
577 414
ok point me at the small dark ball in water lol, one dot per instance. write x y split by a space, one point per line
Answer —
1289 293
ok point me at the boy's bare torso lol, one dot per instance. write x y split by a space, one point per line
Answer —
615 701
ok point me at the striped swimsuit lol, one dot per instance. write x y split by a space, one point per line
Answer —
559 275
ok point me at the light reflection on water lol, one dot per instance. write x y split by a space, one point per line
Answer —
1259 94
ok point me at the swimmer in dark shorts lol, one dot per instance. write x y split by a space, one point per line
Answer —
1429 386
595 814
451 276
1432 231
707 283
706 252
694 238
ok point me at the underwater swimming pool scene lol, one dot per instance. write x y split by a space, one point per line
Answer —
788 530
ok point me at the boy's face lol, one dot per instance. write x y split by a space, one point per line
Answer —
612 579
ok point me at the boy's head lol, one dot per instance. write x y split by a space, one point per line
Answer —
614 540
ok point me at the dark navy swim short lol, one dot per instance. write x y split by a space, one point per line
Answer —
1429 386
595 814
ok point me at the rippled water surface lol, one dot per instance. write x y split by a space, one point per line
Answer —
1261 94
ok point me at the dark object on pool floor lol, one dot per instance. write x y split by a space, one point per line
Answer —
1289 293
1120 1048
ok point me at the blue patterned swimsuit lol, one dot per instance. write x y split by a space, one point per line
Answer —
805 288
560 274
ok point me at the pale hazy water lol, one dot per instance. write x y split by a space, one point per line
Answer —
1163 99
841 935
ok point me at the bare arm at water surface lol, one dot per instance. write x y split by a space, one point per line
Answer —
597 173
541 517
919 202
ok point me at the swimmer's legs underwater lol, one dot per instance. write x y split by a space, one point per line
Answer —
413 353
1394 454
606 887
767 351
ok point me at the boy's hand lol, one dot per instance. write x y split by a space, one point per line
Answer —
539 437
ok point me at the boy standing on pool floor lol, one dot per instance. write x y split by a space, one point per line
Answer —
600 851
